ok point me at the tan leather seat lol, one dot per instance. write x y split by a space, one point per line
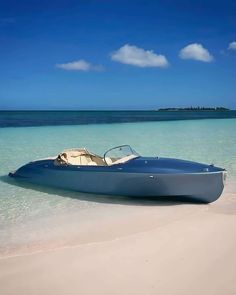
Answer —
79 157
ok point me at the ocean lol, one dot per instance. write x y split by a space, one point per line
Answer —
46 118
32 216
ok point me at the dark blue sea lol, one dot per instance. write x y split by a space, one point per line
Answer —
47 118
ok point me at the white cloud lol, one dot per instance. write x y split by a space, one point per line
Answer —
195 51
232 45
79 65
135 56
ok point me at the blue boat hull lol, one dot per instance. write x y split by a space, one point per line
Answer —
143 177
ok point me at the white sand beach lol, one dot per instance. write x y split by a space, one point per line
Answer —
161 249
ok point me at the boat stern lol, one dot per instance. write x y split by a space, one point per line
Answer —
12 173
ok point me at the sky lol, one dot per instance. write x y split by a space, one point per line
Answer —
117 54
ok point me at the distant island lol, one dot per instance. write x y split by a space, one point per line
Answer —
194 109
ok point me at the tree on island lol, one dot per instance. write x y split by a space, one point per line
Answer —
198 108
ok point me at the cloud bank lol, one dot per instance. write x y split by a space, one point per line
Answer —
232 45
79 65
135 56
197 52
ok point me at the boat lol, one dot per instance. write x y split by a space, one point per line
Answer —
122 171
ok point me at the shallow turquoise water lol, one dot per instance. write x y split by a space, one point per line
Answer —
209 141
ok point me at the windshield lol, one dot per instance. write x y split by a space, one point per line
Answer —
120 154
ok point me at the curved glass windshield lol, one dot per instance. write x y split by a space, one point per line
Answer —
120 154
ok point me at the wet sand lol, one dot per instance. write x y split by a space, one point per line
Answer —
158 249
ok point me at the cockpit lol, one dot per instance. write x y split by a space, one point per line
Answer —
83 157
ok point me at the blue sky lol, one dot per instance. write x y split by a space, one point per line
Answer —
117 54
